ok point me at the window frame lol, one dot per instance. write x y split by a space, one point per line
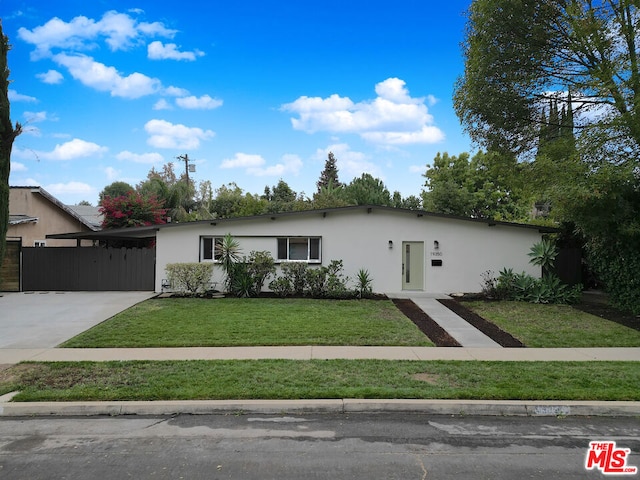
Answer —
215 240
313 243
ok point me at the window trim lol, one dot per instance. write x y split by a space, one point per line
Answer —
287 248
215 240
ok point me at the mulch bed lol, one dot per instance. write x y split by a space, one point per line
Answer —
490 329
425 323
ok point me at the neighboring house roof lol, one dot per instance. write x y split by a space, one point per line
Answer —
89 213
18 219
41 191
150 231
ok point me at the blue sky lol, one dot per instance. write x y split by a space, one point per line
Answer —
252 91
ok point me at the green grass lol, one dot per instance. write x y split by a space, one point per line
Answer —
555 325
181 322
295 379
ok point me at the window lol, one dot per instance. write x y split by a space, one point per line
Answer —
208 247
305 249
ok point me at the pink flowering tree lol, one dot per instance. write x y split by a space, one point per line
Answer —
132 210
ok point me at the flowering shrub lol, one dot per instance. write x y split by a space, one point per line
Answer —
132 210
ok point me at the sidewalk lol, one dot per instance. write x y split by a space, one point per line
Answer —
12 356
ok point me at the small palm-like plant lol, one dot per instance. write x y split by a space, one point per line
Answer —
228 254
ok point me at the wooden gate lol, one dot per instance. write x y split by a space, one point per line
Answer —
10 268
88 269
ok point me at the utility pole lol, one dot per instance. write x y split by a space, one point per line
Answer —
187 168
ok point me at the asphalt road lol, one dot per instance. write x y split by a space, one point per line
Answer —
326 446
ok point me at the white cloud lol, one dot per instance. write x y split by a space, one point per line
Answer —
202 103
243 160
164 134
140 158
255 165
159 51
350 163
290 164
72 150
18 167
393 117
14 96
69 188
162 104
52 77
175 92
112 173
34 117
120 31
103 78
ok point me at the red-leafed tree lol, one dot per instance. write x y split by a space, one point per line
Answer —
132 210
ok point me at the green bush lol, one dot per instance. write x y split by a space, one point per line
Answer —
523 287
189 278
260 265
363 284
616 262
281 286
296 273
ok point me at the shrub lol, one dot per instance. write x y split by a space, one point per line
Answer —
336 283
523 287
316 282
189 277
296 273
281 286
260 266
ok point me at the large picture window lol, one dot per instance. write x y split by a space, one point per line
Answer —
304 249
208 248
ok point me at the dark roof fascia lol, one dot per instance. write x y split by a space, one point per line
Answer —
62 206
111 234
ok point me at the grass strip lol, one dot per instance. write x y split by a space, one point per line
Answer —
555 326
291 379
194 322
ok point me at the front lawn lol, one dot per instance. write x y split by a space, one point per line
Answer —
552 326
193 322
312 379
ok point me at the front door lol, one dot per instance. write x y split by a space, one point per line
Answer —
412 265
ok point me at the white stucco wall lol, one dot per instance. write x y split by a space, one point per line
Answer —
361 240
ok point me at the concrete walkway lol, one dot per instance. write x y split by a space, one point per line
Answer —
464 333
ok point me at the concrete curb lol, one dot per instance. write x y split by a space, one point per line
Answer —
277 407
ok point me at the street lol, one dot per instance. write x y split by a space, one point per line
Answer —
354 446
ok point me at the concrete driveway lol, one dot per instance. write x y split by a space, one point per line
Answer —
46 319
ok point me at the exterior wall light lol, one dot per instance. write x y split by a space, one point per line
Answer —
390 244
436 245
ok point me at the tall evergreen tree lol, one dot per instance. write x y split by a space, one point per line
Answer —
8 134
329 176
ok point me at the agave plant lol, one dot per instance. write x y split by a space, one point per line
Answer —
228 253
543 254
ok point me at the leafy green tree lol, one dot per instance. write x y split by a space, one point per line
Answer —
231 201
115 189
282 198
485 186
519 54
367 190
8 134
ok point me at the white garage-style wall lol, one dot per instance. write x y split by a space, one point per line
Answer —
370 238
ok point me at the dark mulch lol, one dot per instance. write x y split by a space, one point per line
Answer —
425 323
609 313
490 329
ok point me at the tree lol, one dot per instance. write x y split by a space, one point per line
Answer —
367 190
231 201
485 186
282 198
115 189
131 210
520 54
329 176
8 134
